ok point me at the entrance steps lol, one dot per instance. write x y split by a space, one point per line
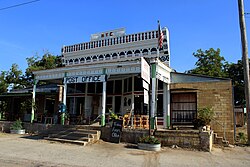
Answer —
73 135
220 141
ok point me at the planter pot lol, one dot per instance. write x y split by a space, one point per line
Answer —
149 147
21 131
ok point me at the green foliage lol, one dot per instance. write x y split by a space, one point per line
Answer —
35 63
235 72
209 63
204 117
14 77
242 137
112 115
149 140
17 125
3 83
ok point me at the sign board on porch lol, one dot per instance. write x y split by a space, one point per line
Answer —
145 70
86 79
145 85
146 99
116 131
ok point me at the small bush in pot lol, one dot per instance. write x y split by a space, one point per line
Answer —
149 140
149 143
204 117
17 127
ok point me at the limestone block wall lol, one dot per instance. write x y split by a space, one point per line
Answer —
218 95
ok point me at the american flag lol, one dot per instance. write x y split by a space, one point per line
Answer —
160 36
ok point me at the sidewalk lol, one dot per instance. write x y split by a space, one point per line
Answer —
16 150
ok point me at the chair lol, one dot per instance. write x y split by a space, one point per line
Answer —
126 120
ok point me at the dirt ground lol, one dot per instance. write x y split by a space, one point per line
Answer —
26 151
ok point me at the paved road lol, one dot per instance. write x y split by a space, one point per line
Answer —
19 151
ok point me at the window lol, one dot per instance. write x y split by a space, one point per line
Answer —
94 58
110 86
118 85
129 54
80 87
183 108
114 56
138 84
130 84
101 57
76 61
99 87
107 57
91 87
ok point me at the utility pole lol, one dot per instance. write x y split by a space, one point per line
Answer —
245 61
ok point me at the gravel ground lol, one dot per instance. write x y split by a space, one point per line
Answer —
25 151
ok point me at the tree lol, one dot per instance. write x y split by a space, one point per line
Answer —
35 63
3 83
209 63
235 72
14 77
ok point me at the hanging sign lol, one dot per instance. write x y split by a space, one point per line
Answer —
145 70
86 79
145 85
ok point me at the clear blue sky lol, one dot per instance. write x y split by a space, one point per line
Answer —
49 24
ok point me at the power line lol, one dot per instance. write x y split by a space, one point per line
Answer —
21 4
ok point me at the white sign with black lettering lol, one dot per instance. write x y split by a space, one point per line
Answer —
86 79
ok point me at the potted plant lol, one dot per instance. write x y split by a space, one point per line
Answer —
111 117
149 143
204 118
17 127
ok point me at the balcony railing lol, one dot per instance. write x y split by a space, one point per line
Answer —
111 41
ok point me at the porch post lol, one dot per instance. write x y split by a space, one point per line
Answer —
64 98
33 102
153 96
103 100
166 105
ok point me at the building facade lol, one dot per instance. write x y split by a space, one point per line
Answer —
130 75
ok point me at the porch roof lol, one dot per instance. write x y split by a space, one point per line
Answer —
188 78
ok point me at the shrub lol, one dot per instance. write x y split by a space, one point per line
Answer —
17 125
204 117
149 140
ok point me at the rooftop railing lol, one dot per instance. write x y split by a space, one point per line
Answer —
111 41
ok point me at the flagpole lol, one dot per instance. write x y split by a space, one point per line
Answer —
153 63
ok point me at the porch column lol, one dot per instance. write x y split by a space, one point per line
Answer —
33 101
103 100
166 105
64 99
153 97
103 103
133 102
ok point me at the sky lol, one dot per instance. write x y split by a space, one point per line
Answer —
47 25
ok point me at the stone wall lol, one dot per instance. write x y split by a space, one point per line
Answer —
186 138
217 95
